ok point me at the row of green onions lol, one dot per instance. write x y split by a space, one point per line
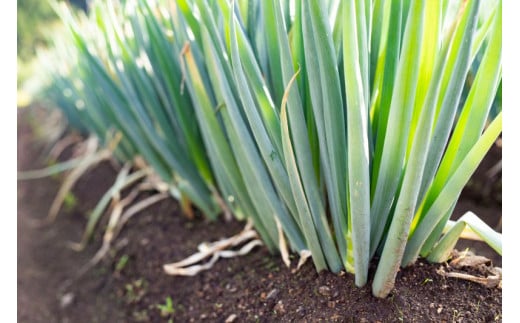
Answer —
348 122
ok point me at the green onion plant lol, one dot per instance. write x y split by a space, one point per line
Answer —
351 123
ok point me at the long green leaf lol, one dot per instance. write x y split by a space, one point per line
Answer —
396 241
328 110
451 189
220 151
357 141
393 151
245 149
442 250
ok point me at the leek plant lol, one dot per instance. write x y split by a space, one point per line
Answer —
344 121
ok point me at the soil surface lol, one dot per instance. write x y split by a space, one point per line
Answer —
129 284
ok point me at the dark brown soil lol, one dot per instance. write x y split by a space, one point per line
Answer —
253 288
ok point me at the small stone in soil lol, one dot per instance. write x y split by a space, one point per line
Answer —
66 300
231 318
231 288
272 294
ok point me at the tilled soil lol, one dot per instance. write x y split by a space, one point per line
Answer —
129 285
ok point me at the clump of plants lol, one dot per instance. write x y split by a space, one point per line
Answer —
339 125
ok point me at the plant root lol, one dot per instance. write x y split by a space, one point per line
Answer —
474 268
494 279
75 174
122 181
80 165
62 144
215 250
116 223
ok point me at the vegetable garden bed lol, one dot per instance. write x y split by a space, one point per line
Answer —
343 132
129 285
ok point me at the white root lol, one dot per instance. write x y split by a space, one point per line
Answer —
136 208
117 220
91 158
491 276
62 144
75 174
491 281
218 249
